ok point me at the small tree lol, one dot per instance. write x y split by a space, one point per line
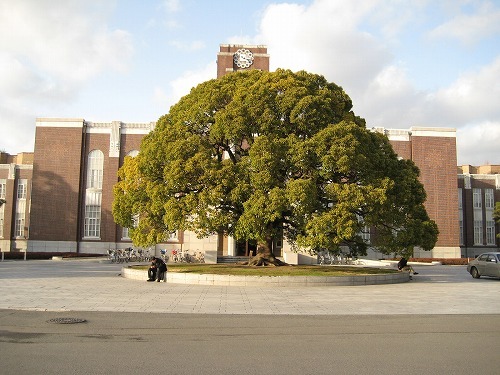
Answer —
260 155
496 215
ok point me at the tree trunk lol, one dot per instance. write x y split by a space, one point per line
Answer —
265 256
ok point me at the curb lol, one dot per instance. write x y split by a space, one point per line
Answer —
272 281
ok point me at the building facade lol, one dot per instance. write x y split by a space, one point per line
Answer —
16 172
478 193
75 166
434 152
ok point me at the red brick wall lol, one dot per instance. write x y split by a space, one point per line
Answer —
56 179
402 148
437 161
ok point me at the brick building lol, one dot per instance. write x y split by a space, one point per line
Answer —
76 162
16 172
434 152
478 192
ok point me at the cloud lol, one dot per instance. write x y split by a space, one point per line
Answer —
324 38
53 50
171 6
80 46
477 144
183 85
470 28
472 97
390 100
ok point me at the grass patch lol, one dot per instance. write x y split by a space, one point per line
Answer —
240 270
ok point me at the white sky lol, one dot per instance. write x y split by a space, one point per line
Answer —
404 63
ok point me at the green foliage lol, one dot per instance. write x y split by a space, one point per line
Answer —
257 155
496 215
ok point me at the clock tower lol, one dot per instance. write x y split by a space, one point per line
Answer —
234 57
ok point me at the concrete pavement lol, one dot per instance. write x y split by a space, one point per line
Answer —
90 285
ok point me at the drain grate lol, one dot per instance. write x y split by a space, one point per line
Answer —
66 320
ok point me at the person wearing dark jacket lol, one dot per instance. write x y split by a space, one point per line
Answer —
152 270
404 266
161 269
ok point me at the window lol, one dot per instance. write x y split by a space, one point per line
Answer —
19 229
2 188
172 236
489 199
20 214
3 183
19 222
476 198
483 257
22 188
490 232
93 221
478 232
126 231
365 231
461 225
1 220
95 169
460 199
93 195
365 234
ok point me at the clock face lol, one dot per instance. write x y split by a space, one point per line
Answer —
243 58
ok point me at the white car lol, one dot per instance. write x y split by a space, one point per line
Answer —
487 264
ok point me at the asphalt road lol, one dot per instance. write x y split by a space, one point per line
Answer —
138 343
442 322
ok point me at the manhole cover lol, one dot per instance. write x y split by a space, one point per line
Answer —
66 320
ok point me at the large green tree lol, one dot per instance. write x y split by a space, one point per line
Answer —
259 155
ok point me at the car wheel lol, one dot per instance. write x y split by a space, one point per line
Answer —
475 273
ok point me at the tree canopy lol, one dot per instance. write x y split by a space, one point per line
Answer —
260 155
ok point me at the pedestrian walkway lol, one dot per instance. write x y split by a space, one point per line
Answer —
84 285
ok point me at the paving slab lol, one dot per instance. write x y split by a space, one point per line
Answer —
75 285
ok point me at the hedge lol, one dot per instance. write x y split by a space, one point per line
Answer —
45 255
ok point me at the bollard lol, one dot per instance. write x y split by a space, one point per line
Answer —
2 255
24 254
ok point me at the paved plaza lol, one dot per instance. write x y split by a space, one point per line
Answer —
92 285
